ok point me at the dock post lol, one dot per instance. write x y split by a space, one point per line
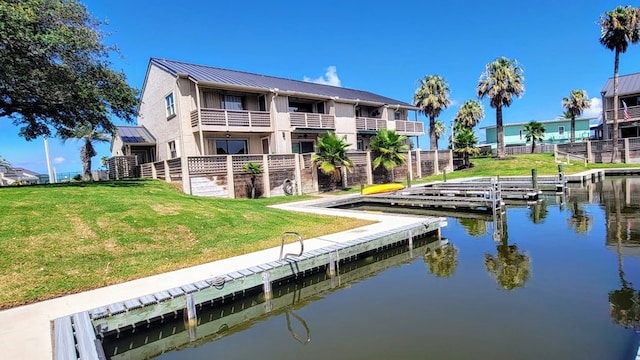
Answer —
331 269
561 179
266 285
444 175
410 236
191 317
534 178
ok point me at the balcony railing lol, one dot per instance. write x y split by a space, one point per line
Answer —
312 120
634 113
409 127
220 119
365 123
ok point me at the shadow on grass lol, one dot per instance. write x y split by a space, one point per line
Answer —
102 183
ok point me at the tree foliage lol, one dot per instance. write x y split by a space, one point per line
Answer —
88 134
432 96
54 69
254 169
331 156
501 80
618 28
469 115
388 148
534 132
443 261
575 103
465 143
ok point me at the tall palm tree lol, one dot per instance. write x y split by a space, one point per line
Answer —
331 156
465 144
619 27
575 104
534 131
500 82
388 148
440 129
88 134
432 96
469 115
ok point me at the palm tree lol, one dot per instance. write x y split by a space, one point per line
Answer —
465 144
575 104
534 131
469 115
500 82
4 162
331 156
254 169
440 129
88 134
432 96
619 27
442 262
388 148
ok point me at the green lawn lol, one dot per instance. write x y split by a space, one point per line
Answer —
62 239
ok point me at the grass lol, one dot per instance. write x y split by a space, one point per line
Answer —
519 165
61 239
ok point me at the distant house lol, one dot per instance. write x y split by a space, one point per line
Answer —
195 110
629 95
17 176
557 131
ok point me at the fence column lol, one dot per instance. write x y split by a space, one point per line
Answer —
230 183
555 152
589 155
410 172
297 158
418 165
186 179
436 166
626 150
167 173
369 169
451 161
154 172
266 183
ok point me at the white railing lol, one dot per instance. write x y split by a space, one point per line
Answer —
227 118
413 127
312 120
365 123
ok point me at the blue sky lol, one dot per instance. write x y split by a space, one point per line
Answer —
382 47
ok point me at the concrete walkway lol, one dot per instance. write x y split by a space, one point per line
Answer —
26 330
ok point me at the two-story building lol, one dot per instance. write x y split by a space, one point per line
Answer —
629 95
195 110
557 131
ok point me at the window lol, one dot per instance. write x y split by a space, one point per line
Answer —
302 147
231 146
295 106
232 102
173 153
170 104
397 115
560 130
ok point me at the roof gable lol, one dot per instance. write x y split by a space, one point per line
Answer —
627 84
213 75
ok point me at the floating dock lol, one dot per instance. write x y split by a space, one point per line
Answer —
77 336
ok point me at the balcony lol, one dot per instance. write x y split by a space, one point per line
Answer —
311 120
231 120
411 128
634 113
370 124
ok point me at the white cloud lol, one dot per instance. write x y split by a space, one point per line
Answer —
58 160
595 110
330 77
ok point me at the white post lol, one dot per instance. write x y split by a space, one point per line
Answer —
52 178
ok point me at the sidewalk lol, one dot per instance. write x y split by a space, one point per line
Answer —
26 331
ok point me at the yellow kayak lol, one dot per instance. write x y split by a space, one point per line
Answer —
381 188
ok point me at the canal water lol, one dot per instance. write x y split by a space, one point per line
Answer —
558 279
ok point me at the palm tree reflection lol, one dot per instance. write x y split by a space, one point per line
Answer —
474 227
509 267
580 220
442 262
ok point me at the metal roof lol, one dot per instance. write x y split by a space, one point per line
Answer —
135 135
208 74
627 84
543 122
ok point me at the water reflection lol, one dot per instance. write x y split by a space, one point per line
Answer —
442 262
474 227
538 212
509 266
580 221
